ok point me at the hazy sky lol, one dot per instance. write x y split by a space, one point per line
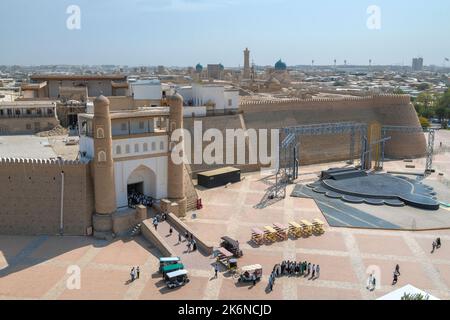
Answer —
185 32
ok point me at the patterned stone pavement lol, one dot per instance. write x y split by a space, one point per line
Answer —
36 267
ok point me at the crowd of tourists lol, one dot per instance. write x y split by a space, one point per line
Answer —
293 268
136 198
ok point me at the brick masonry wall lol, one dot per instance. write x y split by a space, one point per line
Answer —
386 109
26 125
30 197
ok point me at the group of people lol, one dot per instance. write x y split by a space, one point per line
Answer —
191 243
294 268
134 273
436 244
136 198
159 218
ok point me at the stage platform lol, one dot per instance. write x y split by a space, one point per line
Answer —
356 186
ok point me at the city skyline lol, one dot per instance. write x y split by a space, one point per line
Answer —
137 32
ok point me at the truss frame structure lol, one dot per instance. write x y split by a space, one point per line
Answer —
430 152
288 161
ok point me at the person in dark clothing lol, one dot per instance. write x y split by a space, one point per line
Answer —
395 279
397 270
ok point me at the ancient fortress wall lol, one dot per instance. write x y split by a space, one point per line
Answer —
385 109
30 196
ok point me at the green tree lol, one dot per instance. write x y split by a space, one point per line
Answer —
424 122
423 86
398 91
443 106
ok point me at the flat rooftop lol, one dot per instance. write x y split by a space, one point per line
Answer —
142 112
33 147
78 77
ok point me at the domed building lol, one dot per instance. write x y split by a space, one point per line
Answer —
199 68
280 66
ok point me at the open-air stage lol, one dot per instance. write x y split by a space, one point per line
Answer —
351 198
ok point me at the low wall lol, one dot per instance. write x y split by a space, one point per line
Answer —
151 235
30 197
125 220
182 227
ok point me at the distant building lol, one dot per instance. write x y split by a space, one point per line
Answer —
280 66
27 117
49 85
202 99
215 71
417 64
146 89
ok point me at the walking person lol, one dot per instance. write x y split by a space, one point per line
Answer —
313 271
438 243
170 231
216 270
189 246
369 282
374 283
395 279
138 272
434 246
179 238
132 274
397 270
317 272
309 268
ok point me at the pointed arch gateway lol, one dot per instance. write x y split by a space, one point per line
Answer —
142 180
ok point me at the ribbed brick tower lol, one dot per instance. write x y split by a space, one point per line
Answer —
103 167
176 192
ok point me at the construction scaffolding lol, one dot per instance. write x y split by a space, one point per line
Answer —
373 138
289 151
430 152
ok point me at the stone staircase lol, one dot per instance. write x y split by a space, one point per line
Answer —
191 192
135 231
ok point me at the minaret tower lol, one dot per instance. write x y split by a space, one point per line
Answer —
176 192
103 167
247 70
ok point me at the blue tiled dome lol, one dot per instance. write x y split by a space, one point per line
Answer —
280 65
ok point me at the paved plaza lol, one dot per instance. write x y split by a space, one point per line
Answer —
36 267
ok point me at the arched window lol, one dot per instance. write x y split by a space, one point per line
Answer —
145 147
161 145
100 133
127 148
153 146
118 150
136 148
102 156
